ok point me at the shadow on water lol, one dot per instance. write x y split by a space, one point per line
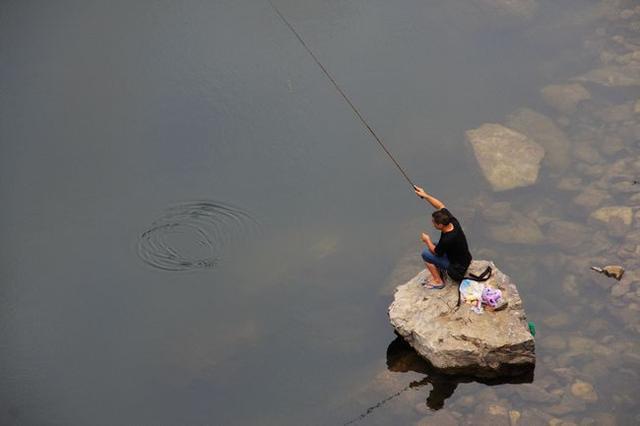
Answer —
402 358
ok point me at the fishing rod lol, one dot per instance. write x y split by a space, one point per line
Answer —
346 98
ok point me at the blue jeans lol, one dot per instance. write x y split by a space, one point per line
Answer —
442 262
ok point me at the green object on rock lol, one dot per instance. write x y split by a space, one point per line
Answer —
532 328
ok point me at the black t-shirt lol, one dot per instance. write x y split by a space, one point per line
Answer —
454 245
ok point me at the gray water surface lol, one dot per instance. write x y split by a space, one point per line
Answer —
112 112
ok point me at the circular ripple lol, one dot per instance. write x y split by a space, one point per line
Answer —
192 235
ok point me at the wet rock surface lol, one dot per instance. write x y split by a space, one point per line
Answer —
457 339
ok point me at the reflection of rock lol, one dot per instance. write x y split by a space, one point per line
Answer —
508 159
544 131
520 230
458 339
401 357
566 97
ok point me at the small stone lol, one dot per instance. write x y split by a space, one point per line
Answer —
570 286
580 344
605 419
467 401
612 76
587 153
514 416
566 234
498 212
533 393
616 113
569 404
584 391
613 271
607 214
493 414
521 230
558 320
554 342
591 198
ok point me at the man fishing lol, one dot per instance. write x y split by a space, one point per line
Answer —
451 253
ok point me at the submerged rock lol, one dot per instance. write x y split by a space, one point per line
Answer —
613 76
584 391
519 230
508 159
565 97
544 131
610 214
458 340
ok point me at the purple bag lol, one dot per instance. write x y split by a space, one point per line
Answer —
491 297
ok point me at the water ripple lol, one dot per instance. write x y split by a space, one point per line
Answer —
193 235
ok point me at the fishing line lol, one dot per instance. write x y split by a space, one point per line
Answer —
346 98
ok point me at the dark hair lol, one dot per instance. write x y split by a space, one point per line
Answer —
441 217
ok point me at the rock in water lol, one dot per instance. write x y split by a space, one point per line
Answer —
565 98
544 131
459 340
508 159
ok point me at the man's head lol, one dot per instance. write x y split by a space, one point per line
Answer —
441 219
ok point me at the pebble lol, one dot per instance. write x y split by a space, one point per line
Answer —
558 320
584 391
554 342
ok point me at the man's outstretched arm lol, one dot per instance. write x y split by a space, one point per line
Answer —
437 204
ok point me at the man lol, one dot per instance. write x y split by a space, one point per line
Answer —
451 253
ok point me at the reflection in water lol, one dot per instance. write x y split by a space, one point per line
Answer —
403 358
192 235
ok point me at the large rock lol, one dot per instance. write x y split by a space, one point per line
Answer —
458 340
508 159
544 131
